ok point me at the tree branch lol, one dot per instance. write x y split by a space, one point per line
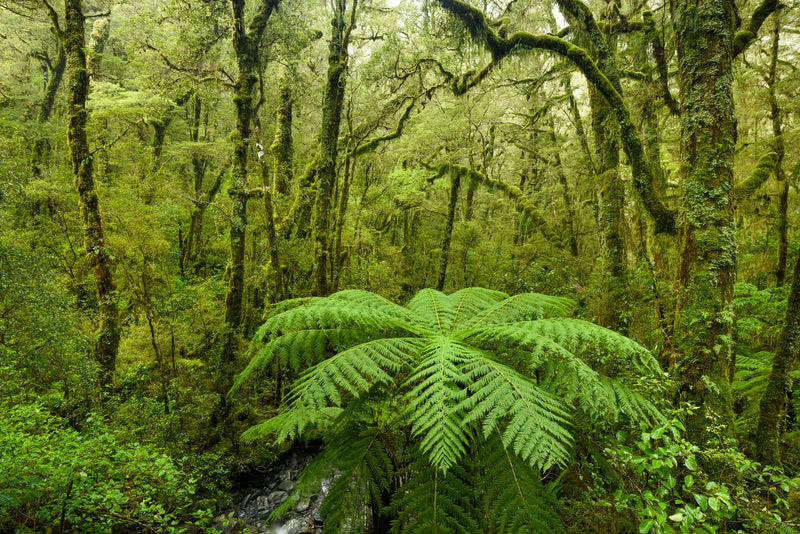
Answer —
514 193
744 37
644 180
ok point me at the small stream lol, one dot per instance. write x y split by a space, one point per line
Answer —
256 496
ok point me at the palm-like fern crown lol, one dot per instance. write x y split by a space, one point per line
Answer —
458 370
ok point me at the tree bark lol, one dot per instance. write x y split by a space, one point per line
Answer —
108 334
332 104
246 43
780 151
282 148
455 185
42 146
707 272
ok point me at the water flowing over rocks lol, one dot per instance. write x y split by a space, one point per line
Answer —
257 497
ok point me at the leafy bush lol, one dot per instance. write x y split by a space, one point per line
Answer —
53 478
665 483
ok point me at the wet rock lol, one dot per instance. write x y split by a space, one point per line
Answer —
262 503
286 485
302 506
226 525
278 497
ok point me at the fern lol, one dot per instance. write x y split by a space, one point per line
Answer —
403 395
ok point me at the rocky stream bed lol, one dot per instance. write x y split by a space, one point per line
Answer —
256 496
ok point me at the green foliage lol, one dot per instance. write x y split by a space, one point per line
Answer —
666 482
54 478
429 383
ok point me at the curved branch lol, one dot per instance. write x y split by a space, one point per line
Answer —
373 143
643 178
764 169
514 193
744 37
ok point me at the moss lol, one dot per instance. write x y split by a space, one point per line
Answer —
763 170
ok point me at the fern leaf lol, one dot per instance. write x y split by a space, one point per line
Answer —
523 307
515 500
434 401
353 371
433 502
433 308
301 348
471 301
536 423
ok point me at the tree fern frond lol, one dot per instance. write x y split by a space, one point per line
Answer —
332 313
536 423
514 498
522 307
433 402
599 345
471 301
434 308
352 372
300 349
433 502
373 301
365 470
291 424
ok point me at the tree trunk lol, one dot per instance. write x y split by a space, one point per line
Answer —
246 43
282 148
773 403
332 103
42 146
278 292
777 143
704 312
108 334
567 195
344 197
455 184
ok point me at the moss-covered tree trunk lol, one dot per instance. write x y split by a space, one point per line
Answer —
332 103
341 213
277 291
612 213
107 337
55 71
780 151
447 236
705 30
570 220
773 403
282 147
246 43
101 30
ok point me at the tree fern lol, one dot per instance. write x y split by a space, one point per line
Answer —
403 395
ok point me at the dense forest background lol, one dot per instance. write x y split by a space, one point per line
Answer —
621 177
